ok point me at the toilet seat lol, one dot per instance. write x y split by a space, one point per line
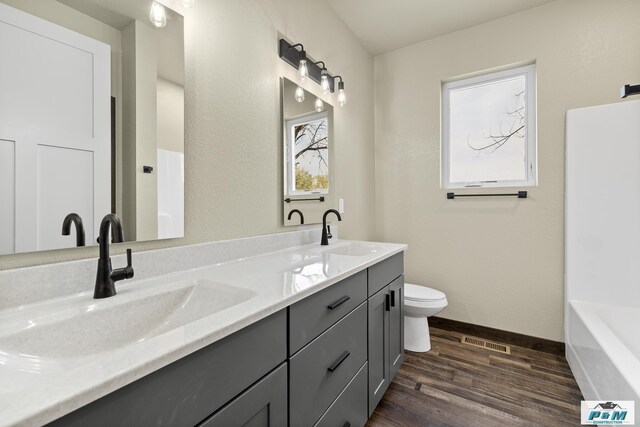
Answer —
418 294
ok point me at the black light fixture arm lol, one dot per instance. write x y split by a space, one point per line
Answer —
629 90
340 83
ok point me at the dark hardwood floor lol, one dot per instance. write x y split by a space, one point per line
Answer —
455 384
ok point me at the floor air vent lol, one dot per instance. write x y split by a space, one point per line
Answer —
489 345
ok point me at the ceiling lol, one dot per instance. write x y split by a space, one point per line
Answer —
386 25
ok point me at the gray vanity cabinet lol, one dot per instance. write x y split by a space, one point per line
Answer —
386 325
189 390
396 325
350 408
262 405
379 366
324 361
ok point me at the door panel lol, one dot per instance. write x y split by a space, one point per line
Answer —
396 325
55 105
70 170
7 196
378 347
48 85
262 405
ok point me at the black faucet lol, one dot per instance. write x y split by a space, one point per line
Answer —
106 277
326 231
298 212
66 228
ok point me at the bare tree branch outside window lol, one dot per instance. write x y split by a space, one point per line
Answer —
513 127
311 148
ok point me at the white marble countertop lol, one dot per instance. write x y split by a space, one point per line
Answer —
39 388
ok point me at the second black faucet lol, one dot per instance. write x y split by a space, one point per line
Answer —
326 233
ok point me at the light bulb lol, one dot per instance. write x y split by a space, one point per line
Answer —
318 105
157 15
342 98
299 94
324 83
188 3
303 72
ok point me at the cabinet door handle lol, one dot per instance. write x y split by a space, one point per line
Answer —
387 302
339 302
338 361
393 298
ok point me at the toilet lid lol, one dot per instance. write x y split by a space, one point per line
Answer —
422 293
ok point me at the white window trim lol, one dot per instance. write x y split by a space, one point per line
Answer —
529 72
291 162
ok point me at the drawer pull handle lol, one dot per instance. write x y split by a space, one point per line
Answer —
393 298
387 303
338 361
346 424
339 302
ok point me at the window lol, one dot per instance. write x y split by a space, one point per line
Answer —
489 130
308 154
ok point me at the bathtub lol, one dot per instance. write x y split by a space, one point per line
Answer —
603 350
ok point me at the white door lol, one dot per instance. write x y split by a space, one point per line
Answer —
55 149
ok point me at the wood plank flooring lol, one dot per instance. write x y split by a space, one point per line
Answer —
455 384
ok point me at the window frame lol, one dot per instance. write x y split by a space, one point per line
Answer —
529 72
291 168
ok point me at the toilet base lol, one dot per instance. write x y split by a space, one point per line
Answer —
416 334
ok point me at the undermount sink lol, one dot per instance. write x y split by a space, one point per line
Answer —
75 328
354 249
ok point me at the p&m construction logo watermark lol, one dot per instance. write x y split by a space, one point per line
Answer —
595 412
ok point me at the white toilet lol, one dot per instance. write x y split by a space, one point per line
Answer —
420 302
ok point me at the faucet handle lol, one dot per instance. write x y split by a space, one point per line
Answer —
124 272
329 235
129 268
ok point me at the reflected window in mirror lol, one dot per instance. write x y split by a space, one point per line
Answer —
308 154
308 150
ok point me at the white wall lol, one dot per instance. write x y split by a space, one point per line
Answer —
170 116
232 117
500 261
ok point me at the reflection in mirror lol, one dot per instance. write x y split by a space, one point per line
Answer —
91 122
307 125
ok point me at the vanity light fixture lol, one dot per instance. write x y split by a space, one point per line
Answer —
299 94
157 15
317 73
303 71
342 98
318 105
324 78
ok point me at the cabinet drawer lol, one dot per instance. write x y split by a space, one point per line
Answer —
381 274
190 389
350 408
321 370
313 315
262 405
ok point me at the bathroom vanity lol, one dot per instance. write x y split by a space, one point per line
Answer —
304 335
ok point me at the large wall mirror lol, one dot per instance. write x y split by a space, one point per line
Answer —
91 122
307 134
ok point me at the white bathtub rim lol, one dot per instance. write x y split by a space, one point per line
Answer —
589 391
618 354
